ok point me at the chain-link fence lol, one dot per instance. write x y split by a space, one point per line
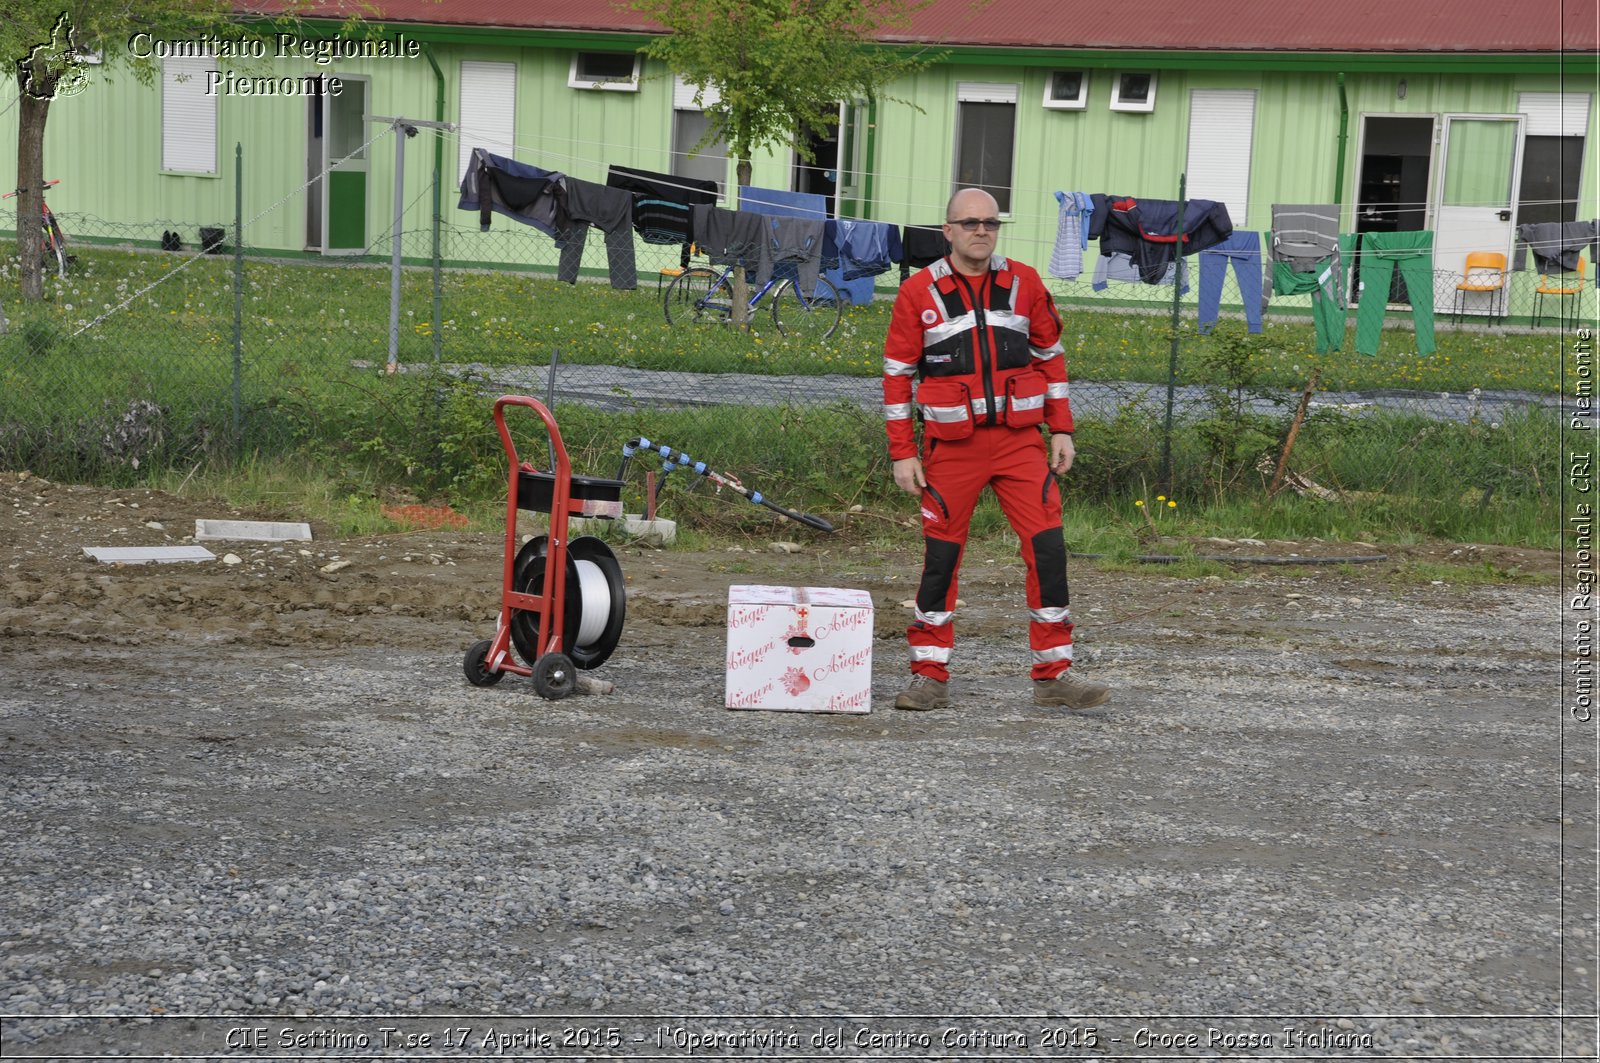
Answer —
172 341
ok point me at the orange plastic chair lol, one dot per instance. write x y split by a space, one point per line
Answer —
670 272
1485 272
1564 285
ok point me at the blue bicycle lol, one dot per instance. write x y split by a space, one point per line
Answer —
701 296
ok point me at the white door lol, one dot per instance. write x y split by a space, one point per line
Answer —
344 192
1474 201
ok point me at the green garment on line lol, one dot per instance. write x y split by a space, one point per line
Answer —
1326 285
1412 252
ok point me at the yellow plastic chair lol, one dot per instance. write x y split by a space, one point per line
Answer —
1485 272
1562 286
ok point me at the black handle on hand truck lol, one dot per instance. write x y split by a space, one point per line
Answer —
671 459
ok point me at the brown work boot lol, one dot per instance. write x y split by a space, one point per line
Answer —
924 693
1068 691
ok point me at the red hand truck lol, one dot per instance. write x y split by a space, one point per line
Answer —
562 603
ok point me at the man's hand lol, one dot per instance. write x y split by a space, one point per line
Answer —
1061 453
908 475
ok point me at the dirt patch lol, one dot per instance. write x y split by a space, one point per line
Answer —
437 585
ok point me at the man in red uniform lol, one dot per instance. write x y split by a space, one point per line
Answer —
982 336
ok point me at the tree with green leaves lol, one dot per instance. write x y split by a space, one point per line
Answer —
45 45
779 67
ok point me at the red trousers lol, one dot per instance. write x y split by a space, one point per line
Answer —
1013 462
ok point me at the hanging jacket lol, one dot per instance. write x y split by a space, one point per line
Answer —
986 352
1146 230
521 192
1556 246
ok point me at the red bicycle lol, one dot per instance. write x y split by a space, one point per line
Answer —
53 242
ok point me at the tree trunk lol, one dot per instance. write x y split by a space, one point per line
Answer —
30 201
741 283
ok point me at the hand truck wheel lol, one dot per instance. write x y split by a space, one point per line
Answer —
554 676
475 665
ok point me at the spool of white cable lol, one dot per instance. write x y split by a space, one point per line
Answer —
595 596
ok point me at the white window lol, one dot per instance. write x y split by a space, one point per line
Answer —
1552 155
1134 92
690 123
1221 131
188 116
615 71
488 110
1066 90
986 137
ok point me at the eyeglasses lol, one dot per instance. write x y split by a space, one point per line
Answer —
971 225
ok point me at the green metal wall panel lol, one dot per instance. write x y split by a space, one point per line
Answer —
106 144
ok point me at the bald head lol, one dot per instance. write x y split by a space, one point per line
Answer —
971 203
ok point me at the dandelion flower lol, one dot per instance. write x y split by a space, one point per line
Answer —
1140 502
1172 505
1161 498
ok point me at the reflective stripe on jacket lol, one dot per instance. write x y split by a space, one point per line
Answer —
980 332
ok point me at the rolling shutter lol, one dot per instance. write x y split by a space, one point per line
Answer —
188 116
1555 114
1221 132
488 111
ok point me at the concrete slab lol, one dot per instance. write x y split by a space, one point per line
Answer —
141 555
255 530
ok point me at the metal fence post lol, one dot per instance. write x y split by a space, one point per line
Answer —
1172 363
399 220
238 295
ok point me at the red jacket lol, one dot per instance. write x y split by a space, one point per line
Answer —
986 351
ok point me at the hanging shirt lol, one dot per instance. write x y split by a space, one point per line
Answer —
1556 246
1072 234
728 237
1304 235
867 248
794 243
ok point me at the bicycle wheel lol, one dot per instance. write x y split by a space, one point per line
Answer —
698 296
812 319
55 245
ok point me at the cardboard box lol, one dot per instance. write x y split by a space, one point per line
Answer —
799 649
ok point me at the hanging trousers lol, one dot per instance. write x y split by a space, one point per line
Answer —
612 210
1243 249
1381 254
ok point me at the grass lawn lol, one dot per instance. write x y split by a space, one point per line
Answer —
300 319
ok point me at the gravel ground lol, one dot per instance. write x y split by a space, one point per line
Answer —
1323 816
